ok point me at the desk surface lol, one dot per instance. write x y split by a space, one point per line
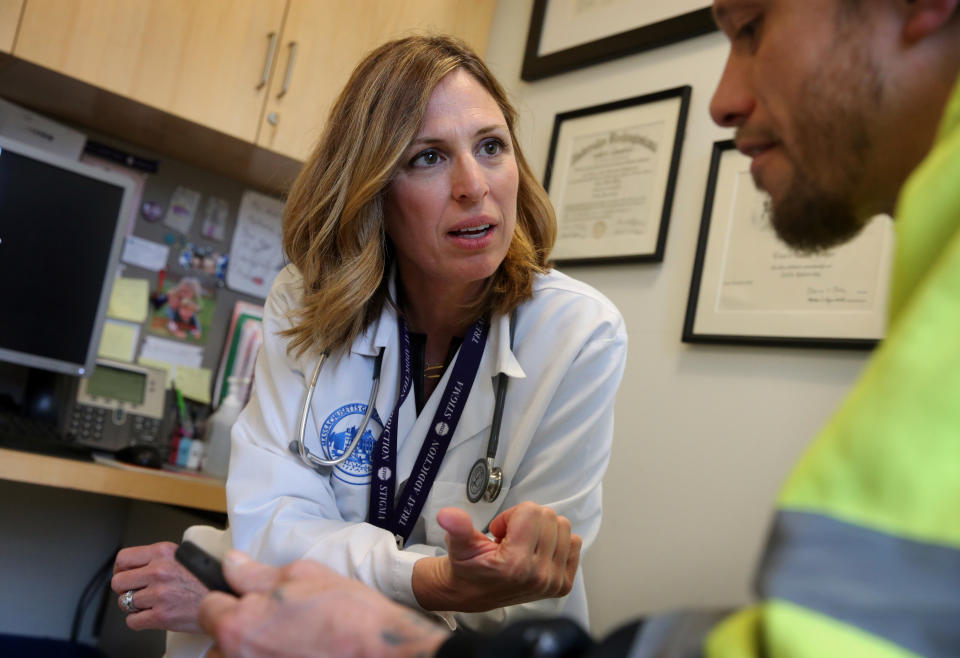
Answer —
130 482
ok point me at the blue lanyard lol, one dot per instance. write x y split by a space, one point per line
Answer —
400 518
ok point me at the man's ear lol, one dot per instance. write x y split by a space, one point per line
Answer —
924 17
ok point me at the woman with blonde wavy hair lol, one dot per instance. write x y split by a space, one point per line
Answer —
418 240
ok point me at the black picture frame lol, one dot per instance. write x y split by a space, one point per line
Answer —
810 324
673 106
645 37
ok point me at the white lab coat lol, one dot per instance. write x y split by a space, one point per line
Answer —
564 370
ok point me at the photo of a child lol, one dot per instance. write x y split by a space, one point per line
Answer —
185 320
182 310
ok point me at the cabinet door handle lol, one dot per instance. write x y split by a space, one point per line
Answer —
289 74
271 49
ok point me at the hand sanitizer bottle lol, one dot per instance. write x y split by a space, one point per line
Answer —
217 439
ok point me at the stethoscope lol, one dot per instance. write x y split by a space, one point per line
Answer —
485 479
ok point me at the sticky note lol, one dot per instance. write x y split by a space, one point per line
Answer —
194 383
160 365
129 298
118 341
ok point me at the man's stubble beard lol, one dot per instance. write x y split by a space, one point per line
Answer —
833 148
810 220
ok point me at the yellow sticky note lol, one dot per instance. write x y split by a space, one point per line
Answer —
161 365
129 298
117 341
194 383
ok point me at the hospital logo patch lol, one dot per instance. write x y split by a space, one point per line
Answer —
337 433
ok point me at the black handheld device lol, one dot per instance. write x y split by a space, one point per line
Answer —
204 566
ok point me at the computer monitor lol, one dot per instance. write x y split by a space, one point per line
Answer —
62 226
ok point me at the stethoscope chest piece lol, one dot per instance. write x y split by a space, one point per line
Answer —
484 481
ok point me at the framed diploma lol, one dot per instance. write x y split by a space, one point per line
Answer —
611 173
569 34
748 287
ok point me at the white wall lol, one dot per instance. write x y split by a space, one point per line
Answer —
704 434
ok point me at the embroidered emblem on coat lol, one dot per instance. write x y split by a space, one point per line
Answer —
336 434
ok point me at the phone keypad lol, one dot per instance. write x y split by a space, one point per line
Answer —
87 422
88 425
146 428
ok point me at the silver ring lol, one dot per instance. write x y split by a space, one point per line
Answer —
126 602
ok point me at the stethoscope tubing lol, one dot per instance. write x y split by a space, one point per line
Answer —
302 450
494 441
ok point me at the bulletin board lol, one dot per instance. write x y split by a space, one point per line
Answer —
186 225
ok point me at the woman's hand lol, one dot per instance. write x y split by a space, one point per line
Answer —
305 609
166 594
534 556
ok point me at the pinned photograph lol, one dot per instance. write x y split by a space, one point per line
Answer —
182 309
215 213
182 209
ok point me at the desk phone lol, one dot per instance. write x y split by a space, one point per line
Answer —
120 404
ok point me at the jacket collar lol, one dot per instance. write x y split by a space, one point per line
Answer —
383 333
498 357
926 216
498 344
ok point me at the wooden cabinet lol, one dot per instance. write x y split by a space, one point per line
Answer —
9 19
322 43
262 71
202 60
